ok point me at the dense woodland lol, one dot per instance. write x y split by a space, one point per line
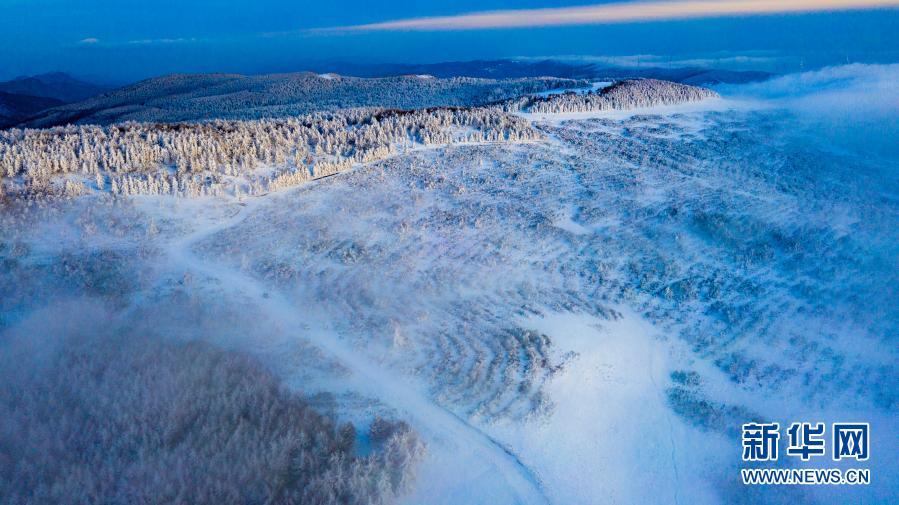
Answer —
176 98
261 155
151 421
253 157
622 95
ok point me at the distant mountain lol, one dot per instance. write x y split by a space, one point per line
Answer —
499 69
197 97
688 75
490 69
56 85
200 97
15 107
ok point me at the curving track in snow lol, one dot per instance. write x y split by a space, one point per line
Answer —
437 424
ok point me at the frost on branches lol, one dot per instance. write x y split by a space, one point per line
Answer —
159 421
261 155
177 98
193 159
623 95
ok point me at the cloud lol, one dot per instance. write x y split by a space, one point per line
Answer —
621 12
140 42
715 60
879 82
179 40
853 106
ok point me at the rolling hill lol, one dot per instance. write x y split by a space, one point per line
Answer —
197 97
57 85
16 107
502 69
23 97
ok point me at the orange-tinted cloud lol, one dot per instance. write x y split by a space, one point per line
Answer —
617 13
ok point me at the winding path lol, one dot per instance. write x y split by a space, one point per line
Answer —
428 417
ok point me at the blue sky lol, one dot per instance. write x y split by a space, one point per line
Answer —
124 39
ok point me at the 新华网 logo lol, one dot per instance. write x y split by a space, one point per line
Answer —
805 441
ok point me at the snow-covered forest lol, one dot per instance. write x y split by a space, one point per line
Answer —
251 157
145 420
622 95
257 156
225 96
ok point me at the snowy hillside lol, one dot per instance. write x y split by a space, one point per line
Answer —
230 96
482 307
621 95
249 157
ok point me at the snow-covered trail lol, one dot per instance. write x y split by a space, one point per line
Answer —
437 424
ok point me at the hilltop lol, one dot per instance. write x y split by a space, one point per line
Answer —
196 97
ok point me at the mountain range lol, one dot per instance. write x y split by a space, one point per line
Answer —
497 69
25 96
57 99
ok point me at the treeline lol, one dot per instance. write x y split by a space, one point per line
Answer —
98 420
622 95
177 98
191 159
257 156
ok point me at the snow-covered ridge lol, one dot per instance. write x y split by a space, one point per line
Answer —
257 156
622 95
192 159
176 98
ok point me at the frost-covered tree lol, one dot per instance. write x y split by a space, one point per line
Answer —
622 95
256 156
137 420
177 98
191 159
